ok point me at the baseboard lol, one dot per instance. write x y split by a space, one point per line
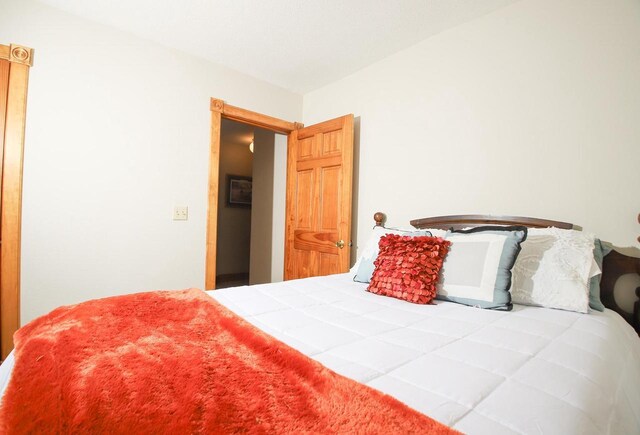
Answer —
227 277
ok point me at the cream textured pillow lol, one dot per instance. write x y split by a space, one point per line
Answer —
553 270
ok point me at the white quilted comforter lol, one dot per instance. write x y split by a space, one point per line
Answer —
531 370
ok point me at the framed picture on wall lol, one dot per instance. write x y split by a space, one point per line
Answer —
239 191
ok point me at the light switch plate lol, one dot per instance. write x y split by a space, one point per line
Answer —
180 213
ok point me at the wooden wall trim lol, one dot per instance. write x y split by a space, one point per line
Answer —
20 59
17 54
216 105
5 66
253 118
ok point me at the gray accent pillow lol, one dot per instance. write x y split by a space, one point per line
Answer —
477 270
599 252
371 249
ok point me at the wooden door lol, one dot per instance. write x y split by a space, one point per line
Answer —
319 183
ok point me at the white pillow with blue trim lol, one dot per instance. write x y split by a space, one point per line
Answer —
477 269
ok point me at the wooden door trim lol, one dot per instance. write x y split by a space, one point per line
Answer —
20 59
212 210
219 109
5 67
253 118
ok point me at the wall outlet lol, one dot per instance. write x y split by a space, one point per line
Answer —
180 213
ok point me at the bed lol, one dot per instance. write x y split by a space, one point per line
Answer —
526 370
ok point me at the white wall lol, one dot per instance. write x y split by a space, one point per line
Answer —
117 134
279 207
532 110
262 207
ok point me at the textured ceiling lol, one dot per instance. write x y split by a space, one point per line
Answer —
299 45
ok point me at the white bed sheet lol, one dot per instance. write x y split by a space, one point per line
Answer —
531 370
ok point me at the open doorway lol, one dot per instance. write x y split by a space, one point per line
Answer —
317 162
220 112
247 190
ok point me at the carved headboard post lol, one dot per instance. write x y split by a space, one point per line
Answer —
614 266
636 306
379 217
636 311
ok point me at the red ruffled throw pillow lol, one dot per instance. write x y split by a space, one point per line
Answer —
408 267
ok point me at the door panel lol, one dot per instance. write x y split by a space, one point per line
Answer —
304 199
319 182
331 144
328 263
306 260
330 179
306 148
320 241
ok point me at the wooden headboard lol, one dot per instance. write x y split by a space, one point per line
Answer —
614 265
475 220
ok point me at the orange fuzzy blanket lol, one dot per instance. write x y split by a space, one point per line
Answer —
179 362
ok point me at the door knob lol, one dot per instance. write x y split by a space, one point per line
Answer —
340 244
